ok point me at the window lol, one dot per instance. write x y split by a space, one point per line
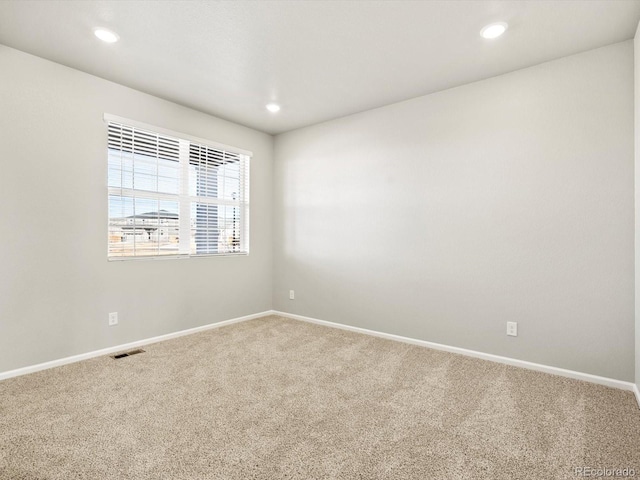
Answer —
172 195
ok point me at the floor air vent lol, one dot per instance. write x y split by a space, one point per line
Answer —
127 354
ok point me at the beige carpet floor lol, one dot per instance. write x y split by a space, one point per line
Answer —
275 398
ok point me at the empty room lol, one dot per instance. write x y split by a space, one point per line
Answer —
319 239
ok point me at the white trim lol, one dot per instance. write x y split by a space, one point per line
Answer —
587 377
171 133
118 348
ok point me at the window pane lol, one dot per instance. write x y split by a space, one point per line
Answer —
145 223
141 172
120 213
203 180
168 233
127 170
229 223
229 182
142 226
168 176
214 173
114 169
204 228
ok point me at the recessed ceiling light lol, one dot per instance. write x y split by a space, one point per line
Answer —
494 30
273 107
106 35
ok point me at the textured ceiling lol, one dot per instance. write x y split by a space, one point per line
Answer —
320 60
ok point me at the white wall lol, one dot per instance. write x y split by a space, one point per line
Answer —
56 285
443 217
438 218
637 200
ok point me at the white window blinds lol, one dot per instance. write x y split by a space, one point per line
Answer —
170 195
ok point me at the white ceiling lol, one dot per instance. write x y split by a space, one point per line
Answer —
318 59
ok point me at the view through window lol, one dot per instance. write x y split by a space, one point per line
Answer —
173 196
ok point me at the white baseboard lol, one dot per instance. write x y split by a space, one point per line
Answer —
587 377
126 346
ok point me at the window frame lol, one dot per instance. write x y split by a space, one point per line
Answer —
183 195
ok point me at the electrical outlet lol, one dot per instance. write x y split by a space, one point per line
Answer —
113 319
512 329
292 295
